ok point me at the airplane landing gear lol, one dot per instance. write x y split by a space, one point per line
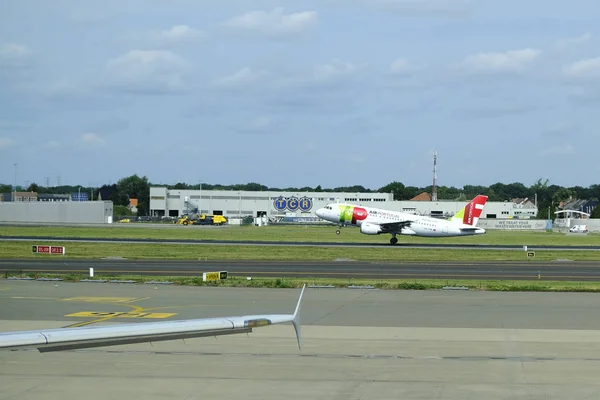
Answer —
337 232
393 240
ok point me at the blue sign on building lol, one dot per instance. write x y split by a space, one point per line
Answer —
79 196
303 204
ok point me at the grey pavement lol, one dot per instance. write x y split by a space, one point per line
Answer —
358 344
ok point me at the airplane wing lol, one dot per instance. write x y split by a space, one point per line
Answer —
396 226
46 340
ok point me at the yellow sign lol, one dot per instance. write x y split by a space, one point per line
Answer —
210 276
132 314
214 276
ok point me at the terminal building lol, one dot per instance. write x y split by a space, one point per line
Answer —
280 206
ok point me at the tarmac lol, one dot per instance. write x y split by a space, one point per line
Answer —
511 270
358 344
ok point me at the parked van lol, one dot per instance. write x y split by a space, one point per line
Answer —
579 229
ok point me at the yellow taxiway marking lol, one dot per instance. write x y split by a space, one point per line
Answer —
105 299
131 314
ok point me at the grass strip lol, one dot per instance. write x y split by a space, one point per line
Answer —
289 233
157 251
391 284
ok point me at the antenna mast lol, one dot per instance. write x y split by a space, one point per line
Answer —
434 190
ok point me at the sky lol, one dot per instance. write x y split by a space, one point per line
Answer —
289 93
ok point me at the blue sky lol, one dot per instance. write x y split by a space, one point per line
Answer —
288 93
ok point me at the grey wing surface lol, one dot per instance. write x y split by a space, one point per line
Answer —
46 340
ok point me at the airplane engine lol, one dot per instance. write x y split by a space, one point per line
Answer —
370 229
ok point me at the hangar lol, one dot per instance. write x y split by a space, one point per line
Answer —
301 206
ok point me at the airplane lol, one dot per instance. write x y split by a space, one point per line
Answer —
375 221
59 339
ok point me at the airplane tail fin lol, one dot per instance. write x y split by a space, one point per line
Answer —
296 320
470 214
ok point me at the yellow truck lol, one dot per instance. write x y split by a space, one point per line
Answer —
202 219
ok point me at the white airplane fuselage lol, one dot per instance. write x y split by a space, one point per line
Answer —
371 220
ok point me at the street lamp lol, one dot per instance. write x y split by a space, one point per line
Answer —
15 198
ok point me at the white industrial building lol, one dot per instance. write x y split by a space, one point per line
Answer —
301 206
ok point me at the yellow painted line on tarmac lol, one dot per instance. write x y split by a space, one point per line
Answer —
34 298
102 314
90 299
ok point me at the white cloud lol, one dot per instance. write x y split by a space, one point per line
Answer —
334 70
584 69
53 144
91 139
502 62
261 123
13 54
242 77
149 71
273 23
586 37
178 34
5 143
564 150
400 66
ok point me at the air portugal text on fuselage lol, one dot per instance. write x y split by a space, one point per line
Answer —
353 214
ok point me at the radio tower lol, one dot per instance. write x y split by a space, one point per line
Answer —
434 190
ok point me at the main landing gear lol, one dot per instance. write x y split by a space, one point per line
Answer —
394 239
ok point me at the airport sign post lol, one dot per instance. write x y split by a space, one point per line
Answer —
214 276
60 250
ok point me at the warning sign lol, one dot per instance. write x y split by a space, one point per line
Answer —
103 314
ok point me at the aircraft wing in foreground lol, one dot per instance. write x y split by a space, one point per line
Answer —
46 340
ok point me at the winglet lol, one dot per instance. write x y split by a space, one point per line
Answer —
296 320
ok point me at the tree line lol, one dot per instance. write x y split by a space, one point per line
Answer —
548 196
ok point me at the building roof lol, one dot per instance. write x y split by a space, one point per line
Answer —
422 197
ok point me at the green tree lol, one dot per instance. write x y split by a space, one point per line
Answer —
397 188
33 188
121 211
596 212
135 187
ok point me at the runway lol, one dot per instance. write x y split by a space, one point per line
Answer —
529 270
296 244
366 344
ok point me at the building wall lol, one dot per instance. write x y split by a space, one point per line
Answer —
245 203
85 212
236 203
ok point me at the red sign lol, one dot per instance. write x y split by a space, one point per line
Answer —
48 249
57 250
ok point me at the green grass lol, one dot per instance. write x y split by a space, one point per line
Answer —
290 233
391 284
151 251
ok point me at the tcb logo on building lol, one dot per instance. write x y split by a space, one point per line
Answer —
303 204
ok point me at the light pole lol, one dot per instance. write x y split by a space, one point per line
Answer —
15 198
